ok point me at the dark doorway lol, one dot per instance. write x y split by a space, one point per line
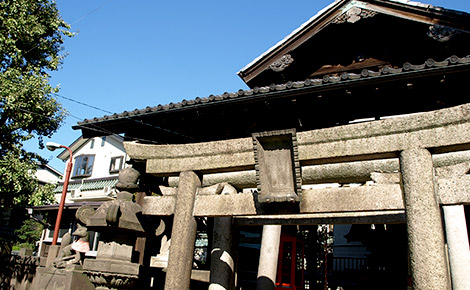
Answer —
349 257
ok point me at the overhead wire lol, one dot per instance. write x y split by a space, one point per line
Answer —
97 129
140 122
91 12
75 22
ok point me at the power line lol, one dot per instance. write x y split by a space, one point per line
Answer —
140 122
97 129
91 12
91 106
75 22
82 103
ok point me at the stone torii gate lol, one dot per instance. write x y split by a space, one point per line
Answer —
425 156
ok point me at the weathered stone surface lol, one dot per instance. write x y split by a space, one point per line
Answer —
224 205
26 252
61 279
71 253
386 177
111 266
457 245
118 223
345 148
454 190
344 172
158 262
112 280
348 199
382 144
165 190
442 128
159 205
210 190
128 179
221 188
277 166
425 233
161 260
239 179
53 252
200 275
450 158
125 216
427 130
144 151
183 234
455 170
197 156
113 250
269 252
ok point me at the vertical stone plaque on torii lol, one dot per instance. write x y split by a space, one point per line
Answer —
277 166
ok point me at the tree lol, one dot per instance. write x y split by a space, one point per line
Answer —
31 39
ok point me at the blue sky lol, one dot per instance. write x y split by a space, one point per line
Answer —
129 55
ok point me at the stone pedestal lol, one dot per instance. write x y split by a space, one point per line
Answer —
112 268
53 251
424 224
61 279
269 254
26 252
457 244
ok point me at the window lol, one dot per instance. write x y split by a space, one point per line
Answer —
92 143
83 165
103 141
116 164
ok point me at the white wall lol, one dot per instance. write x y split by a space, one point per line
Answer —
112 147
46 176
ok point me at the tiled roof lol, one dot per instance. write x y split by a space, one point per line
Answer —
317 82
436 11
88 185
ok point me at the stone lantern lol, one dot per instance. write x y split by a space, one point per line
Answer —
119 226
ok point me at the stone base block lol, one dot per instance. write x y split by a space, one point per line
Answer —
111 266
61 279
112 274
200 275
158 262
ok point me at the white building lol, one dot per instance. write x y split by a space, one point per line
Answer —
46 174
95 168
96 165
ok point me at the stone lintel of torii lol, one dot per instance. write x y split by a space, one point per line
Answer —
411 163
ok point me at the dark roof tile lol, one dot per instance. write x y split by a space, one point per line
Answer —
430 63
